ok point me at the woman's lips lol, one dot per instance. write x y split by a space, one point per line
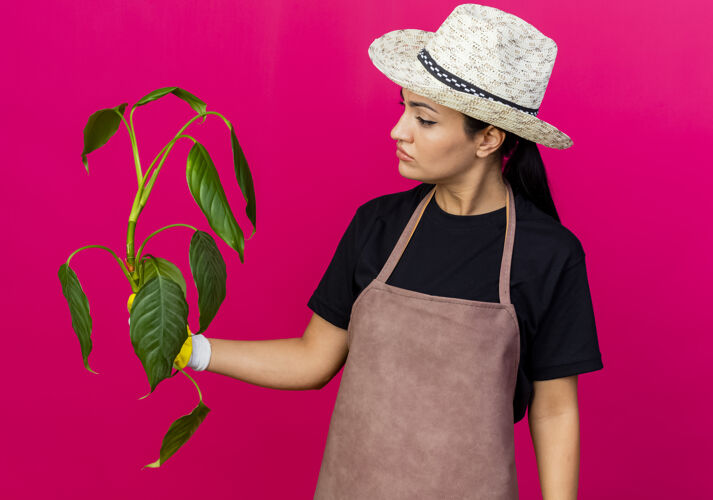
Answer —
403 156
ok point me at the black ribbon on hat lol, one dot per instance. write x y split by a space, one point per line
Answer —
461 85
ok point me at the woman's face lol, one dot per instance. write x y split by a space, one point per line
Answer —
433 136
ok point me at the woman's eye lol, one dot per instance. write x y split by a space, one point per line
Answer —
423 122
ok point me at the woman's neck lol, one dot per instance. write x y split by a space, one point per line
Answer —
486 194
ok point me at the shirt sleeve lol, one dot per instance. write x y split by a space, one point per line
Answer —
334 295
566 340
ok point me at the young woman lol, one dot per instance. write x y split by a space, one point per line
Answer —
455 305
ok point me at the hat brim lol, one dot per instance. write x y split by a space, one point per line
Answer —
395 54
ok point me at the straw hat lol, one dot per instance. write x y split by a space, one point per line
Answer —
481 61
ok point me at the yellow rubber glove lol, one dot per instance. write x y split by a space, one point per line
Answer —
185 354
182 359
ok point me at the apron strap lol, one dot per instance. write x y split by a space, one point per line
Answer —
404 238
506 263
504 279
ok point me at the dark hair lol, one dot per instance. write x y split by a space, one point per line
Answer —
524 168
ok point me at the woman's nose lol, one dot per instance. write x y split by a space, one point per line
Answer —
400 132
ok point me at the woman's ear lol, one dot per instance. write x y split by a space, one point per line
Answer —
491 138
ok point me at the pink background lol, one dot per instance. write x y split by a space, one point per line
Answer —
631 86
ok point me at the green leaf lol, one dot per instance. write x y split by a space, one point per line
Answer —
195 103
79 309
164 267
100 127
209 275
158 325
179 432
204 184
244 177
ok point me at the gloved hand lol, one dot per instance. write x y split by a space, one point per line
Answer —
184 355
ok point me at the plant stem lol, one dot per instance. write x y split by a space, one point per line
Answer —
144 190
146 176
200 396
154 175
134 147
138 255
172 141
134 288
133 216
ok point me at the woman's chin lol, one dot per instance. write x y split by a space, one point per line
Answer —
407 170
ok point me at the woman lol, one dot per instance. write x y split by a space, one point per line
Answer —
460 302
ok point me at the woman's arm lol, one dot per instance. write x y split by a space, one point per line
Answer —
299 363
553 418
